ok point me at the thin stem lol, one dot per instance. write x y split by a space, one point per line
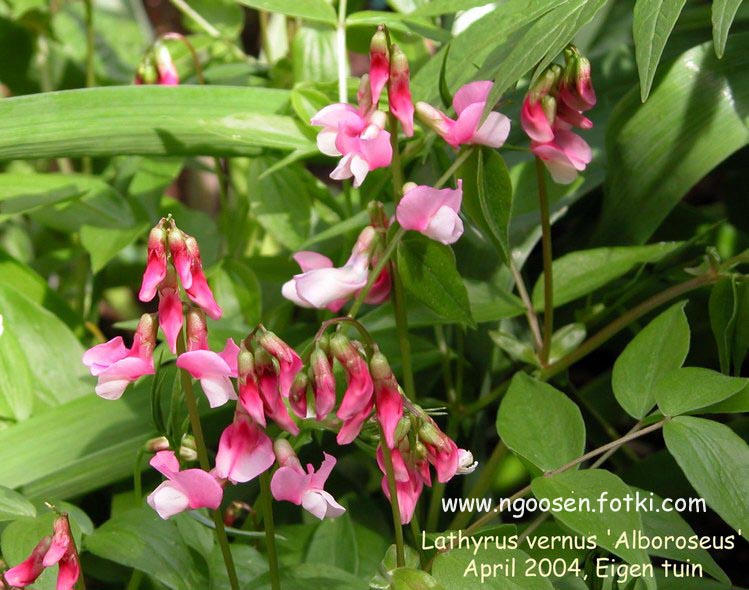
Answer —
212 31
366 336
457 163
270 531
396 167
90 42
401 327
543 200
341 51
625 319
530 313
137 479
135 579
605 457
612 446
390 474
197 431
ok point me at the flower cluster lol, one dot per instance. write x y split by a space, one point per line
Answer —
554 105
56 549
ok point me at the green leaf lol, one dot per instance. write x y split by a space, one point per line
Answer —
314 10
490 303
175 120
729 316
13 505
606 524
461 569
438 7
406 24
49 347
313 53
658 150
532 409
388 565
103 244
579 273
16 389
692 388
653 22
657 524
716 462
657 349
430 275
407 578
724 11
334 543
487 197
237 291
107 435
141 540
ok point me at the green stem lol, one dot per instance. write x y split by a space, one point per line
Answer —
530 312
135 580
401 327
548 275
200 447
212 31
341 51
390 474
270 531
137 479
86 162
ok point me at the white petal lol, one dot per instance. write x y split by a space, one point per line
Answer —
167 500
321 504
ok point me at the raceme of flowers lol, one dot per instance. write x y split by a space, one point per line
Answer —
267 381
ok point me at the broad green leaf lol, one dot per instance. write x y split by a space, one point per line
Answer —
438 7
532 409
716 462
408 578
565 340
657 349
724 11
490 303
658 150
431 276
653 22
729 320
16 389
405 24
462 569
597 487
487 196
175 120
314 10
388 565
226 15
691 388
49 347
314 55
735 404
141 540
659 524
579 273
307 576
13 505
103 244
237 291
333 543
102 451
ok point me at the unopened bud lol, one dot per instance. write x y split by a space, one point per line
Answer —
285 454
466 464
188 454
401 431
167 71
379 63
549 106
245 364
298 394
144 340
379 368
342 349
378 218
418 451
154 445
197 329
576 87
275 346
147 73
399 91
180 256
430 434
546 82
432 118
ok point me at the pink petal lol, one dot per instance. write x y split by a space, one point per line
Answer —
575 148
360 388
201 488
401 104
218 390
376 149
321 476
289 484
562 170
31 568
289 291
60 543
323 286
155 273
475 92
573 117
168 499
421 203
493 132
534 122
102 356
165 462
445 226
114 380
326 142
352 426
244 452
249 398
466 125
202 296
379 72
229 355
308 260
170 316
334 114
389 404
204 363
68 573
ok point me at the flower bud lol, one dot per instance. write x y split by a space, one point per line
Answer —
180 257
432 118
171 317
285 454
379 63
399 91
167 71
466 464
298 394
156 264
549 106
388 400
144 340
197 329
378 218
402 430
545 83
154 445
289 363
324 384
576 88
364 96
147 73
430 433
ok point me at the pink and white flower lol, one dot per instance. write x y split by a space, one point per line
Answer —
388 399
289 363
433 212
290 483
564 156
184 490
116 366
379 64
156 263
469 103
244 450
214 371
399 91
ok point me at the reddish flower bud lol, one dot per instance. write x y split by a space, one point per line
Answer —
168 75
285 454
576 87
298 394
358 398
31 568
170 309
324 384
144 340
379 64
289 362
249 390
388 400
156 265
197 329
268 381
180 257
399 91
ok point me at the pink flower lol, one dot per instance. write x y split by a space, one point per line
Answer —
379 64
268 382
409 482
31 568
356 135
289 363
197 329
399 91
249 390
244 451
576 87
442 452
358 399
214 371
291 484
116 366
171 317
298 394
352 425
186 258
433 212
168 75
469 103
155 271
388 399
320 285
62 552
564 156
184 490
535 121
323 383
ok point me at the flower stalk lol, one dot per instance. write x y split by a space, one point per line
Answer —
270 531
